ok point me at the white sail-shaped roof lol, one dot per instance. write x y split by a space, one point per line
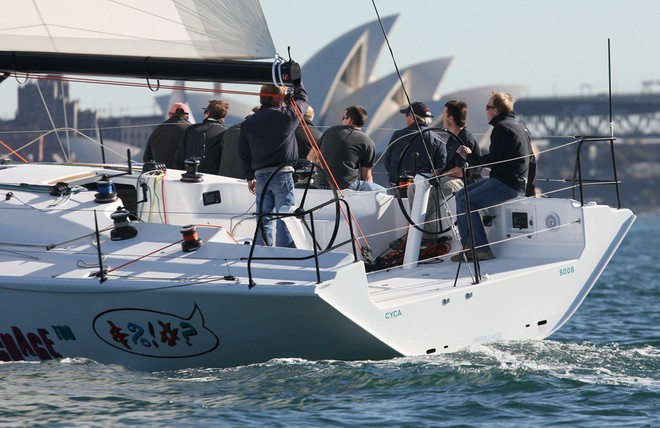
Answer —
384 98
192 29
345 64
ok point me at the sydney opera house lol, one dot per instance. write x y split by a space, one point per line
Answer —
341 74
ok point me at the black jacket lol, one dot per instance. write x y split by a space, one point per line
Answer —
304 145
268 137
165 140
229 160
405 143
509 142
201 141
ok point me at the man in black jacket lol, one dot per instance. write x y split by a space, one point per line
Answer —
509 160
166 138
202 140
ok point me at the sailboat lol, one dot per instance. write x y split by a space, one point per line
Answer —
140 266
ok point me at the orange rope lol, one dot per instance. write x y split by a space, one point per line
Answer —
315 146
169 245
146 255
14 152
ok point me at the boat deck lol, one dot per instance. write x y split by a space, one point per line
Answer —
404 285
157 259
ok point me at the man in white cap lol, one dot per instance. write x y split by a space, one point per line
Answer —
165 139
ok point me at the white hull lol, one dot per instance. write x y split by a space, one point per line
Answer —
162 308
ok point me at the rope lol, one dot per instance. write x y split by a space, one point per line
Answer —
315 147
143 256
50 118
13 152
133 84
403 86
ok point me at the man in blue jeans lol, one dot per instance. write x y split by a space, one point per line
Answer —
266 142
509 158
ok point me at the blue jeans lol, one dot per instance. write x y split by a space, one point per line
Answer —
483 194
366 186
279 194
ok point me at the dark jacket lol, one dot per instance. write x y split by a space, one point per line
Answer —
508 140
201 141
304 145
268 137
455 160
400 155
164 141
229 160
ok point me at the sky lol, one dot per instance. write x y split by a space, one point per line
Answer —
556 47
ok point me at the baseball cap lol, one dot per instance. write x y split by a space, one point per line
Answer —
419 108
179 106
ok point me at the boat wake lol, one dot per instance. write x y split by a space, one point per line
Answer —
610 364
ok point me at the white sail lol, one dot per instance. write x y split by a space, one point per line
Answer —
193 29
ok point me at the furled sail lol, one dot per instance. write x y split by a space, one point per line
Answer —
165 39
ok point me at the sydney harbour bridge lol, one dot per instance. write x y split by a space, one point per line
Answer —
635 121
635 117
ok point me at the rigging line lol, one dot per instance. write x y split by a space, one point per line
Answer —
316 148
389 47
189 282
8 253
59 244
45 133
145 255
245 215
14 152
44 25
403 86
66 119
410 134
503 161
30 205
184 8
133 84
304 125
50 118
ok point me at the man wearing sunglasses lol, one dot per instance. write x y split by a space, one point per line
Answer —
509 157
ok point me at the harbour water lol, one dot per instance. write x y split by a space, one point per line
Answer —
601 369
